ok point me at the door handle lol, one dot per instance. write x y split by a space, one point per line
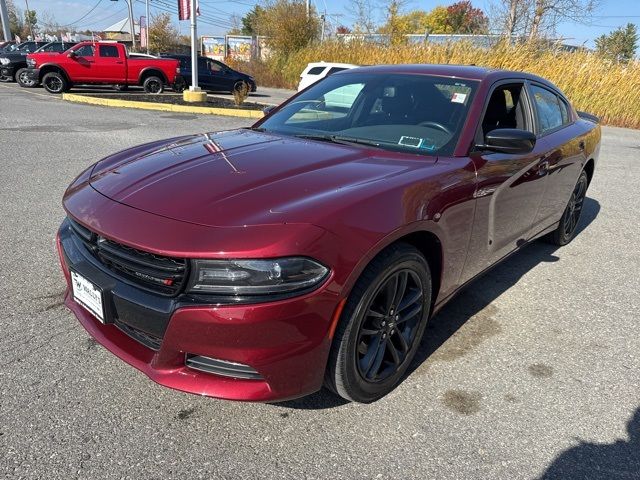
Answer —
119 61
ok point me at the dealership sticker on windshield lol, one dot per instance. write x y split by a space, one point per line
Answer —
459 97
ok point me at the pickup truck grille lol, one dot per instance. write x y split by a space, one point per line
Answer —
164 275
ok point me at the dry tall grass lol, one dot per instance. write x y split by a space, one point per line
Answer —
593 84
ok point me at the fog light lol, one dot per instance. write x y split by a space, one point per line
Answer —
221 367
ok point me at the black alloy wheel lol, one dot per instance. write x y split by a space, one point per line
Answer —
381 325
22 77
389 326
568 225
54 82
153 85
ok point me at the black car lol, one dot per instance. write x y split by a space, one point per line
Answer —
213 75
14 59
16 67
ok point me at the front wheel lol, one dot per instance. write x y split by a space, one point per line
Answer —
153 85
54 82
381 326
23 79
571 217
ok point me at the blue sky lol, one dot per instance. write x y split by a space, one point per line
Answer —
612 14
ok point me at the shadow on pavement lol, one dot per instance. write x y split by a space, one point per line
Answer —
466 305
595 461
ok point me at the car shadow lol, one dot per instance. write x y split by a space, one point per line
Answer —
467 304
595 461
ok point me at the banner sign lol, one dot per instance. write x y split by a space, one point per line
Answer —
184 9
239 47
213 47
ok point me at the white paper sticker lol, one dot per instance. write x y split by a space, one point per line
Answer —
459 97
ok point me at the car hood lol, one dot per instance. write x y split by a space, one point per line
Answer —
245 177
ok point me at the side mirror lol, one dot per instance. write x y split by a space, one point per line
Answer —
71 54
508 140
267 110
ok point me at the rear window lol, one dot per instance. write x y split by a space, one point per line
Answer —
335 70
108 51
316 71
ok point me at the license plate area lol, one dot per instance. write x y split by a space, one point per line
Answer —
88 294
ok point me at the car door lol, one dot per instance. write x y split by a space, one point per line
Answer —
80 66
566 150
509 186
109 65
224 77
204 74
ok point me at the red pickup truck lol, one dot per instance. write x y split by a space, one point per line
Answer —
102 63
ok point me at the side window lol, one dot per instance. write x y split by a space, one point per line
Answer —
506 109
552 111
316 71
109 51
85 51
215 67
333 70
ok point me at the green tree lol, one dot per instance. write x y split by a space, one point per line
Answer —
163 36
619 45
16 23
250 21
287 26
419 21
395 26
30 23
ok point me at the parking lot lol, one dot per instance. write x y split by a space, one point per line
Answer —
533 371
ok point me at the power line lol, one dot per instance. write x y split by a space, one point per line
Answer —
206 20
86 14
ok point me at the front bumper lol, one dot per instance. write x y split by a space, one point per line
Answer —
286 342
7 71
33 74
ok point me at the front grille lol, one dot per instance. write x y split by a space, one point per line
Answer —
148 340
158 273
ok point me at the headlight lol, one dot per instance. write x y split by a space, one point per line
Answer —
31 62
255 277
4 61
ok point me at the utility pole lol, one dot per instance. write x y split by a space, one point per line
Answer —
131 24
29 15
4 13
308 9
148 22
324 19
194 48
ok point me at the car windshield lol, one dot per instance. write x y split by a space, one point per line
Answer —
415 113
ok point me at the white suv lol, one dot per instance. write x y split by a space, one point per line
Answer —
317 71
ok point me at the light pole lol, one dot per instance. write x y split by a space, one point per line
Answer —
148 24
131 24
194 93
6 28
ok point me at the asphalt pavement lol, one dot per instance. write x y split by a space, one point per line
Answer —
534 370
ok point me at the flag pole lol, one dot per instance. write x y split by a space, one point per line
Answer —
194 94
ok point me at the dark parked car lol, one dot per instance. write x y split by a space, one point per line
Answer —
13 62
213 75
312 248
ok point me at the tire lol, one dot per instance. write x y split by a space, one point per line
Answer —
238 85
568 225
153 85
55 82
368 357
5 79
21 78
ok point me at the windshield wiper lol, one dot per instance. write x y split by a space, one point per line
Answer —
339 139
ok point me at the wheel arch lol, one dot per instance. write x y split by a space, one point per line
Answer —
52 67
425 240
589 168
151 72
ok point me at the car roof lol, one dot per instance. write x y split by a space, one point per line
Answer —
467 72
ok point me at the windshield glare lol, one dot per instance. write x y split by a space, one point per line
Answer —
416 113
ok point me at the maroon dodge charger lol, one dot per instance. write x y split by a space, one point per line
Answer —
312 248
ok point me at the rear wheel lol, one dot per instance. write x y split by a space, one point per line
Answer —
381 326
153 85
54 82
571 217
239 85
23 79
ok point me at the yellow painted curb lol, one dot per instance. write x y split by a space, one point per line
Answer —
164 107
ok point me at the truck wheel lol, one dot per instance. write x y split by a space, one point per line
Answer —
5 79
23 80
153 85
54 82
